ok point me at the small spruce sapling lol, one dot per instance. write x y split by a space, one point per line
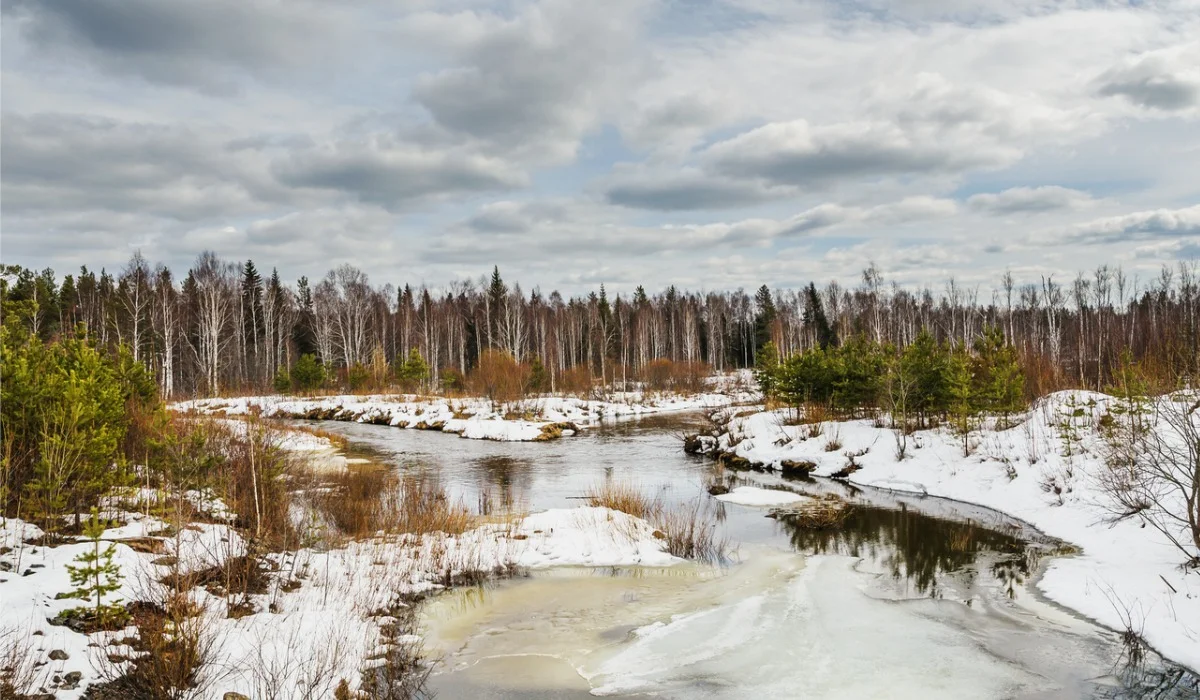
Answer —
97 575
413 372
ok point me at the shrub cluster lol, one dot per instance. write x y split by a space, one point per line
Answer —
69 415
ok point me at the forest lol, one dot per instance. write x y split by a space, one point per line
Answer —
226 328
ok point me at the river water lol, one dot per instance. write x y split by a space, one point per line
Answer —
912 597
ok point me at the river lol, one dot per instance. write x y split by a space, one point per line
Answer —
912 597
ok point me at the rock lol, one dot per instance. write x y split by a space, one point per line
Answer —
58 655
71 680
234 696
804 466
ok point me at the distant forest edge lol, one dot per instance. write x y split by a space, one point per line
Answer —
225 329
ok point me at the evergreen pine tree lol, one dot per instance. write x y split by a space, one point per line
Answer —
639 297
307 373
302 333
539 378
413 371
814 317
765 316
766 369
96 574
960 384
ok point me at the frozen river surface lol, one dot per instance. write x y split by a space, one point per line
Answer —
911 598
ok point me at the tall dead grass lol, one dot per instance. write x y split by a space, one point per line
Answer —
689 531
364 502
625 496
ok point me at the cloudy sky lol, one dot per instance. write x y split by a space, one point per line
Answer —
708 144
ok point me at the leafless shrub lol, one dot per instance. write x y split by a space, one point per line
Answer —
499 377
173 655
691 532
669 375
399 671
576 380
1154 475
1134 649
296 666
19 673
833 442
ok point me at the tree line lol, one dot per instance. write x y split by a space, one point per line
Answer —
225 327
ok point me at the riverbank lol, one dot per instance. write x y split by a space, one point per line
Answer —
528 420
1046 469
314 617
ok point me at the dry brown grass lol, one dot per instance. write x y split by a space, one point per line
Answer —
824 513
335 439
689 531
363 502
625 496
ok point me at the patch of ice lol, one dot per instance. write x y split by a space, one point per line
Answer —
754 496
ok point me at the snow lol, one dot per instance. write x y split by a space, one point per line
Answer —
329 626
1044 470
591 536
474 418
753 496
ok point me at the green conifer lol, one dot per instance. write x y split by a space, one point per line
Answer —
96 574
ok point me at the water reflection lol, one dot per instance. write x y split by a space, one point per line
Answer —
503 481
913 546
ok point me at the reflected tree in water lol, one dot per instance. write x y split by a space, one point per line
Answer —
912 545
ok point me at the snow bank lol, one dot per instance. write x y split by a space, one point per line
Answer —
322 613
753 496
528 420
1044 470
591 536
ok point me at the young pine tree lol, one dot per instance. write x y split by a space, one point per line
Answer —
961 391
539 378
97 575
307 373
766 369
413 372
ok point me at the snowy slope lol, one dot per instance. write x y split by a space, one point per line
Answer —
328 625
1043 470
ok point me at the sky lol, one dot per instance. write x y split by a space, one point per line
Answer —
711 145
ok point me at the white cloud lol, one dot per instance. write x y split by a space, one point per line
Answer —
1137 226
1026 200
720 144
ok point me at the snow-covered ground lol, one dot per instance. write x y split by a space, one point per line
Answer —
320 619
530 419
1044 470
